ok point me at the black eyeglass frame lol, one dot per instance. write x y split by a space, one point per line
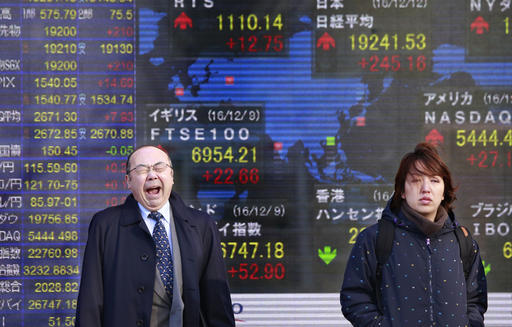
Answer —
149 168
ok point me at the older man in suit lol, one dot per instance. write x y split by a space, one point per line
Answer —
153 261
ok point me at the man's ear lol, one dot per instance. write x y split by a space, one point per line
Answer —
127 180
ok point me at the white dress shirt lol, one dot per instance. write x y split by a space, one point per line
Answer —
151 223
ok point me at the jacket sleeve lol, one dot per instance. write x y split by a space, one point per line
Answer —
89 310
476 291
357 296
216 306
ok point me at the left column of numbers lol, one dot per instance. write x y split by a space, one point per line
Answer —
66 110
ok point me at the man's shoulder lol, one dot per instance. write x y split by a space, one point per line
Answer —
115 210
196 216
108 216
188 212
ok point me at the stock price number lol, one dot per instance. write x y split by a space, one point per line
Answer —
47 236
61 65
57 150
122 150
387 42
507 25
229 176
52 253
55 116
56 82
252 250
51 304
110 99
111 133
60 48
121 14
58 13
47 270
254 271
52 218
121 31
254 43
53 202
393 63
484 137
220 154
354 231
117 82
114 201
67 321
250 22
507 250
118 66
491 159
122 116
55 99
115 185
116 48
51 167
60 31
51 185
116 167
56 287
55 133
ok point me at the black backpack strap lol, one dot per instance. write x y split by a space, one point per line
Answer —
383 246
467 252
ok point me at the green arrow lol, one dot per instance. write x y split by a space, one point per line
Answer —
487 268
327 255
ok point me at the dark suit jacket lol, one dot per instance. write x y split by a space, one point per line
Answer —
118 272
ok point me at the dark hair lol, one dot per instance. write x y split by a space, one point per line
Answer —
431 165
159 147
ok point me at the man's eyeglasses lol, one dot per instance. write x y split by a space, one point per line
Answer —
159 167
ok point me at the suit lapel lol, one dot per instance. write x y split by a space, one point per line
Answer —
160 289
186 232
131 214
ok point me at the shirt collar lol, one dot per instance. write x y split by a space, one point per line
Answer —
165 211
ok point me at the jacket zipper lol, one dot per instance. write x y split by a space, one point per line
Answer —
429 264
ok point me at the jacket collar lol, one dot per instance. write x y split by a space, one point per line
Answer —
131 213
401 221
180 210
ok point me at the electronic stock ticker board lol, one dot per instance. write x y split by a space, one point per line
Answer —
285 121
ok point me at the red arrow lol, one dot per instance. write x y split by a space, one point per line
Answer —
326 42
183 21
434 137
479 24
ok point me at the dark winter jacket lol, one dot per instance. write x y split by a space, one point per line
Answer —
423 280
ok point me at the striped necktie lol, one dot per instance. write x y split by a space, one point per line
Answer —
163 252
